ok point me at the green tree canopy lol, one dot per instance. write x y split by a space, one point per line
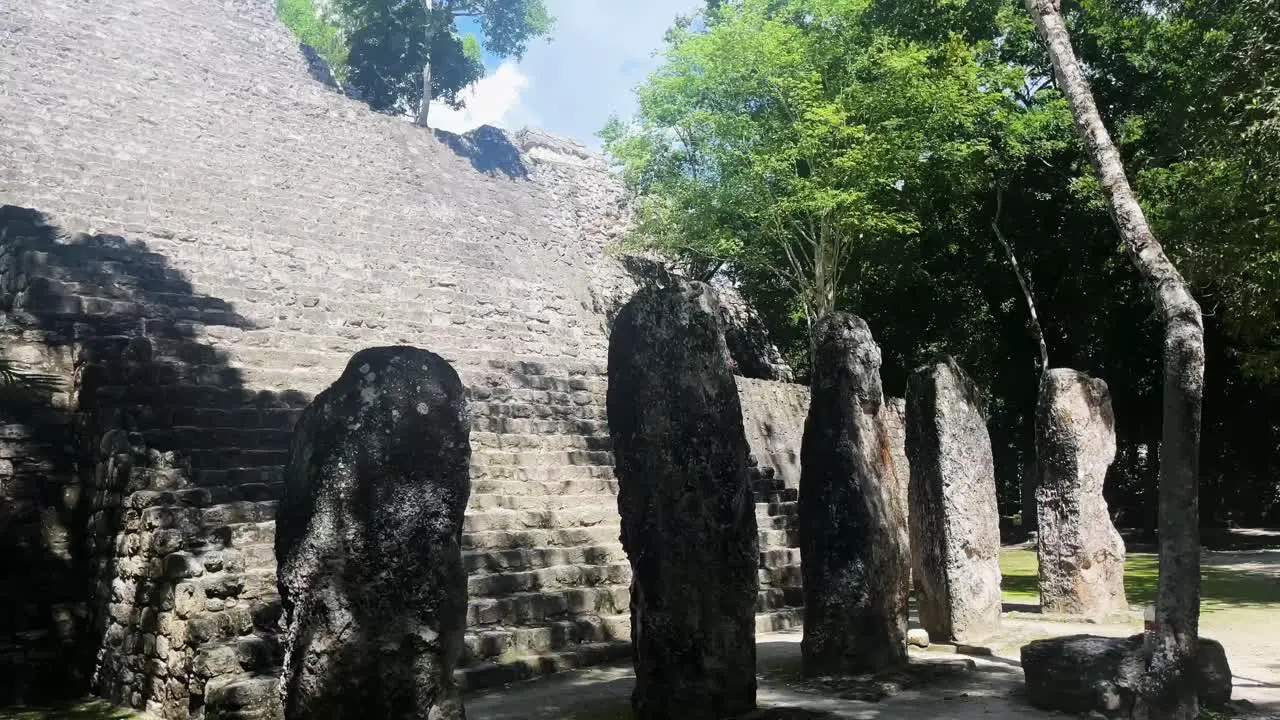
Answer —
768 115
381 47
794 136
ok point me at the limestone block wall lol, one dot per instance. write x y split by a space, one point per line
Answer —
773 414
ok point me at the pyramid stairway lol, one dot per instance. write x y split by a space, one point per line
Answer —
548 580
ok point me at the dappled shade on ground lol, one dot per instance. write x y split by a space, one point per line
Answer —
92 710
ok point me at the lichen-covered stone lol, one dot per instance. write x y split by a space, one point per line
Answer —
688 519
955 521
1081 554
853 534
1087 673
368 542
893 415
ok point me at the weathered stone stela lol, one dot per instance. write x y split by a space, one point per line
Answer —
688 517
955 521
1081 554
853 536
368 542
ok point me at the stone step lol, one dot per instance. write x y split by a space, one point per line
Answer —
492 674
548 480
780 557
557 577
770 539
238 512
541 458
600 482
507 643
242 698
516 520
541 538
241 534
539 426
516 442
791 509
539 410
520 559
775 522
765 479
233 586
535 608
503 670
784 495
776 598
781 577
514 395
778 620
527 367
257 653
555 383
490 501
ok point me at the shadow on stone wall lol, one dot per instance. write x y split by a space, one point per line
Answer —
139 528
317 67
41 618
488 149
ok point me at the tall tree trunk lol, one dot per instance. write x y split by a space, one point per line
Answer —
1169 688
430 28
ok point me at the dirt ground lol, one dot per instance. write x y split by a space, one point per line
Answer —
991 691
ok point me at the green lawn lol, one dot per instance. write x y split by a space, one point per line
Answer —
1220 589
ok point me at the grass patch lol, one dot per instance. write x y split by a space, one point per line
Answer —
91 710
1220 589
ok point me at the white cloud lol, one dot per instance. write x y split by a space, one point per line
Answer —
495 99
600 51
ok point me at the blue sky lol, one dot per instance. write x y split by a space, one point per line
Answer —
600 51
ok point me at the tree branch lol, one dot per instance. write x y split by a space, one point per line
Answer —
1022 282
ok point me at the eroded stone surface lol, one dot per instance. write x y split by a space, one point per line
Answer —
370 566
1081 554
955 521
1087 673
853 536
688 519
893 414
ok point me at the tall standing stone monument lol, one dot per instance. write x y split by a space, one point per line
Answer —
1081 554
688 520
853 534
368 542
955 521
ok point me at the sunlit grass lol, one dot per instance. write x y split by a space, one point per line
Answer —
1221 589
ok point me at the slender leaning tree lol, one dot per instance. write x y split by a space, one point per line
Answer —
1168 690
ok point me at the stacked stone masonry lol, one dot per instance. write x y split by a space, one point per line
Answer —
196 238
